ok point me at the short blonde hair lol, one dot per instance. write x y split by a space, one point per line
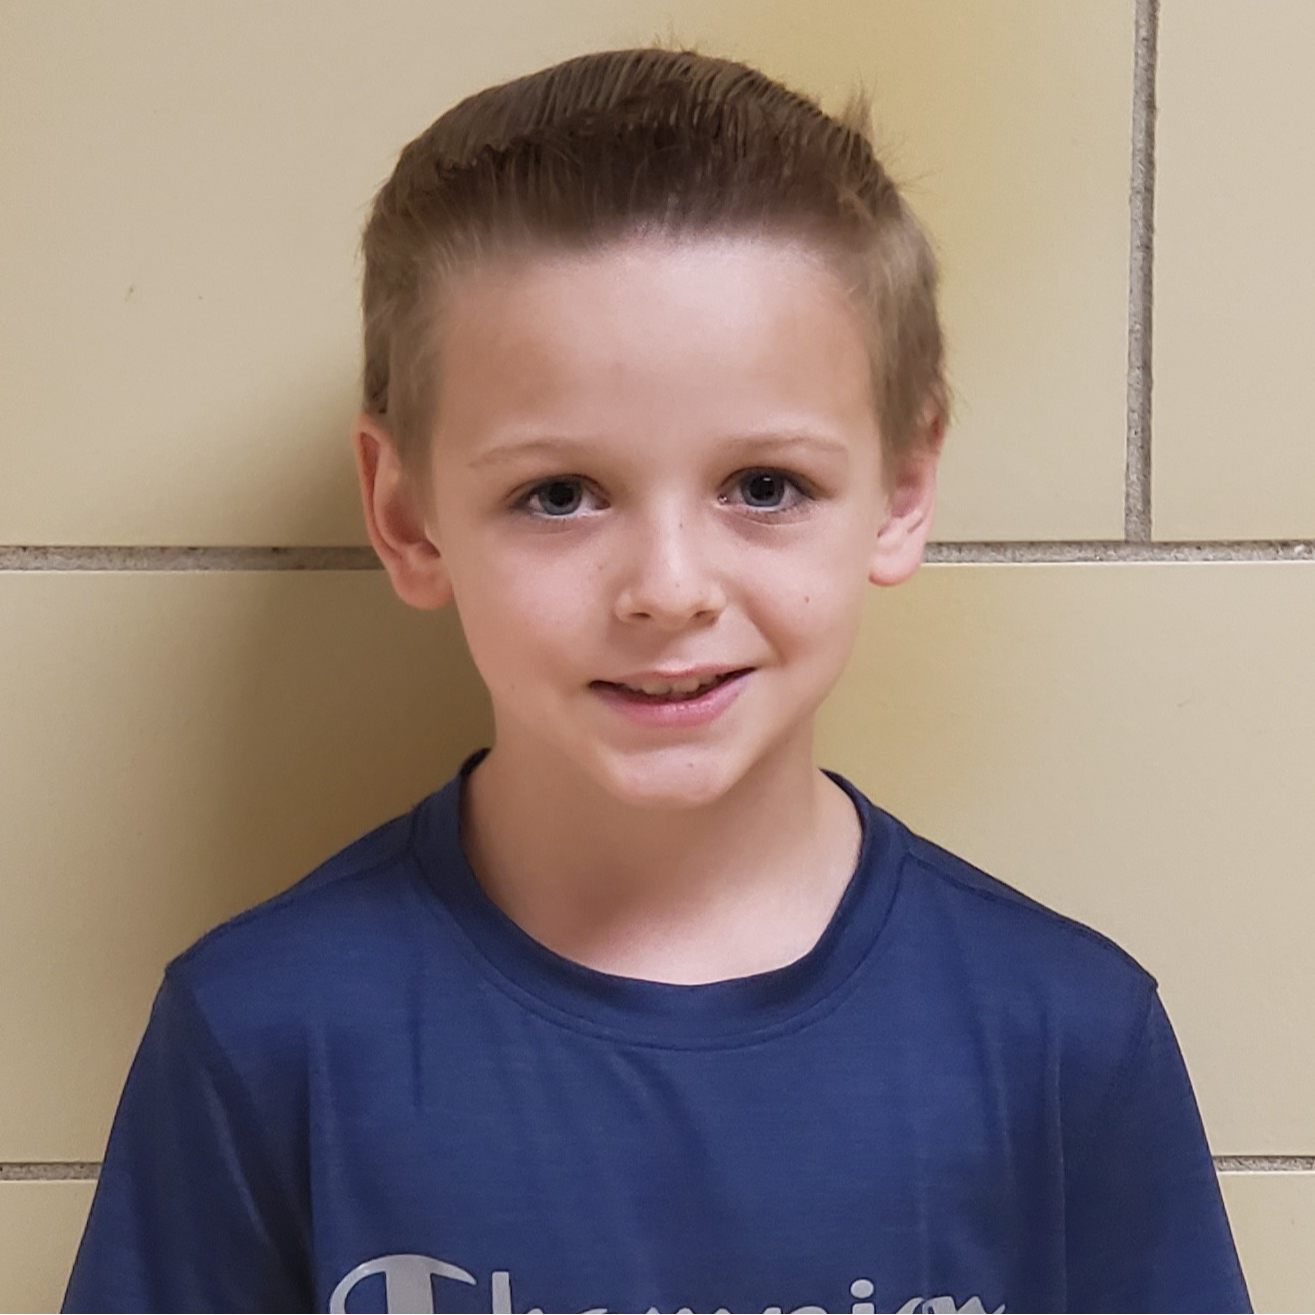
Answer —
621 142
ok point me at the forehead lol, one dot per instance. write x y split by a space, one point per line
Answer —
653 336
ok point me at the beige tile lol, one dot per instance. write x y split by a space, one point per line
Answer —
1273 1219
177 746
1234 287
1131 745
183 195
40 1226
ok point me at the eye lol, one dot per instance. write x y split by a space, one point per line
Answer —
761 483
559 497
761 486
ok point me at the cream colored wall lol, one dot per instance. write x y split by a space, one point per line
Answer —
199 703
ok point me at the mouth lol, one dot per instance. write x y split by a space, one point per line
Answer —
675 696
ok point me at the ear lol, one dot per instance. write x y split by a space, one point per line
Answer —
395 520
910 507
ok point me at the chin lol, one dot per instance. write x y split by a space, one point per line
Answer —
680 776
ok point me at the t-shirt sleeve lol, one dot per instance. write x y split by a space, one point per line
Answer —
190 1212
1146 1224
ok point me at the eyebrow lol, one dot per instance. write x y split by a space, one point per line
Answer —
506 452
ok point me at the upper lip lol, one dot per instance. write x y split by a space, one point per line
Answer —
674 677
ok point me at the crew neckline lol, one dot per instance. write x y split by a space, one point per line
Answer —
638 1009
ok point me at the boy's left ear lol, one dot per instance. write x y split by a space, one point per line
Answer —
910 507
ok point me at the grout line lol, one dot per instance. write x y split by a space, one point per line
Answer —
75 558
1117 550
1265 1163
89 1171
60 1171
1141 282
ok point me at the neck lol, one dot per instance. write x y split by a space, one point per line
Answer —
741 884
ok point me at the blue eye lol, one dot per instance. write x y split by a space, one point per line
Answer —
759 478
568 496
759 484
551 491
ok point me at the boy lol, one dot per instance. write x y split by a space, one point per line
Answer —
642 1010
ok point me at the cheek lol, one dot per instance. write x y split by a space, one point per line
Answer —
808 591
817 616
521 618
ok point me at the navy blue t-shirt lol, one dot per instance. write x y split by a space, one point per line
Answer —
376 1092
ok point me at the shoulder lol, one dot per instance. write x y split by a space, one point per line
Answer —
1003 912
318 950
1038 969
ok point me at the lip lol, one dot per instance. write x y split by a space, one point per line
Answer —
674 677
678 715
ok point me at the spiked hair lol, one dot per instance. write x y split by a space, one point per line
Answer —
650 140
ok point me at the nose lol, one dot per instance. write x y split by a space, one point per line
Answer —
669 574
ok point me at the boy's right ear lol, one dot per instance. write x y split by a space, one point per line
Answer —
396 522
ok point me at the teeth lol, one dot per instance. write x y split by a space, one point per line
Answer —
676 687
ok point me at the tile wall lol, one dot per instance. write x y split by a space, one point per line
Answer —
1099 688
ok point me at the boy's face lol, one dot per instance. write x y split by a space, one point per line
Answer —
671 528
